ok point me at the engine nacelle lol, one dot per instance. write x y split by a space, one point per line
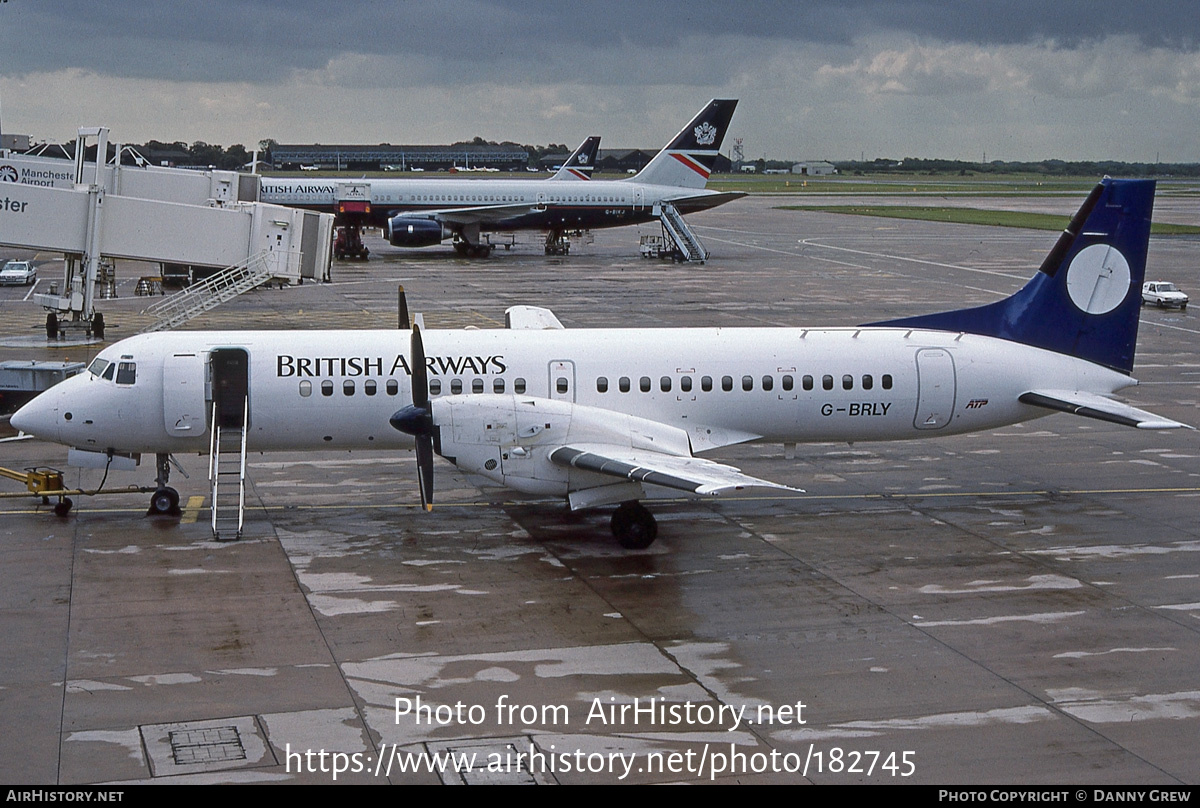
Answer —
410 231
508 439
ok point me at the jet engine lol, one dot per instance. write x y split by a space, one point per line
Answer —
411 231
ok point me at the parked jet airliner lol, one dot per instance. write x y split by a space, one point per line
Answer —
354 213
424 212
607 416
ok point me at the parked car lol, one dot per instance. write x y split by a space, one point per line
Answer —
1163 294
18 273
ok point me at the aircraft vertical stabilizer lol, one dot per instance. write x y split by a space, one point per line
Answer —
581 162
1085 300
687 161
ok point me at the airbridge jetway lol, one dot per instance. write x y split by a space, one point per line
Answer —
97 215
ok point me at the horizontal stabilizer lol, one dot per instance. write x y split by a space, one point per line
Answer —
1090 405
691 204
691 474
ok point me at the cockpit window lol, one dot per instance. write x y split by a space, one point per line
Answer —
126 372
112 368
97 367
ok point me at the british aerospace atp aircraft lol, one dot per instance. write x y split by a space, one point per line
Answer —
424 212
610 416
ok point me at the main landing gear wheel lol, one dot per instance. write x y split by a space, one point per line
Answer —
164 502
468 250
634 526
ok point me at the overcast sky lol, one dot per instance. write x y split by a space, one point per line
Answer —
1012 79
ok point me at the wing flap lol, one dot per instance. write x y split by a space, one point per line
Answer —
682 473
1090 405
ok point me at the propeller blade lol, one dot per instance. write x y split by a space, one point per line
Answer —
417 420
420 372
425 470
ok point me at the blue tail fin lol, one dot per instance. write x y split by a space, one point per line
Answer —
1085 300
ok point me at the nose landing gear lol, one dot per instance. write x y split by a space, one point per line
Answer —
165 500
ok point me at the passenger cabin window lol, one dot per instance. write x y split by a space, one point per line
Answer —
887 381
623 384
868 382
327 388
768 382
369 387
560 385
602 385
827 382
519 386
706 383
644 384
305 388
435 387
392 387
685 384
788 382
726 383
847 382
348 388
126 373
664 384
477 385
808 382
497 385
456 387
747 383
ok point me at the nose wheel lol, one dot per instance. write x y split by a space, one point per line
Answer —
164 502
634 526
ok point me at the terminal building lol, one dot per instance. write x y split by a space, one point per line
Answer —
385 157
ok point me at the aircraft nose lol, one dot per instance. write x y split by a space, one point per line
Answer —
39 417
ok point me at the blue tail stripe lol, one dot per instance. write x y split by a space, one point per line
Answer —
1044 314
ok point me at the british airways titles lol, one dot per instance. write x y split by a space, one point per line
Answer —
352 366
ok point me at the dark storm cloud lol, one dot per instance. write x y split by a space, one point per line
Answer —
238 40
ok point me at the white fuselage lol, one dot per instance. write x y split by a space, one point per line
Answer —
338 389
599 202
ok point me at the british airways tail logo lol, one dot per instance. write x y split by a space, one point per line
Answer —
705 134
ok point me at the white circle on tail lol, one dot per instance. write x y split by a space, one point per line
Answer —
1098 279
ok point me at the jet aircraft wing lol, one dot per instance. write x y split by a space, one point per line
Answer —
1099 407
480 214
691 474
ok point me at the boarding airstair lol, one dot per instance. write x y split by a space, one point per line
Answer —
227 473
688 244
174 311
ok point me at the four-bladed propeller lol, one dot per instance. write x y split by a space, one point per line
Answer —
417 419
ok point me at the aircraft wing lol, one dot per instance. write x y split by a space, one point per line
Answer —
480 214
1099 407
691 474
